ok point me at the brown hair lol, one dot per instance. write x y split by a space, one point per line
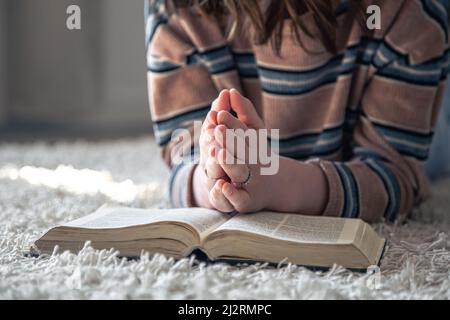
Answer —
268 23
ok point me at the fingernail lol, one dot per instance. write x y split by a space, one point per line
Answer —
235 91
212 115
227 189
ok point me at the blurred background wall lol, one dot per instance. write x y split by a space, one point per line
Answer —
92 79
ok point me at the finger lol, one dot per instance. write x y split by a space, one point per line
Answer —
238 198
206 140
218 199
210 119
213 170
222 103
245 110
207 136
235 144
228 120
237 173
207 132
220 135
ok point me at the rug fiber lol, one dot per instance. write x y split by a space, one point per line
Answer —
42 185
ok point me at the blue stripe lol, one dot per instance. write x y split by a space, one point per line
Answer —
391 186
222 67
315 151
407 150
246 65
248 72
222 59
446 65
160 66
215 53
180 172
407 135
365 153
354 191
313 78
244 57
217 60
402 139
152 24
326 76
164 138
173 174
351 193
385 54
411 75
189 115
176 123
393 64
345 208
311 144
311 137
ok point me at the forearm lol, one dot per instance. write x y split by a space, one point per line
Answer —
298 187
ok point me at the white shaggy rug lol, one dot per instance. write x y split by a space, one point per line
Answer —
43 185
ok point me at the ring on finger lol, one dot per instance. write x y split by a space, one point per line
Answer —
242 184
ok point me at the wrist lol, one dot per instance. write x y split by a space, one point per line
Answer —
281 198
298 187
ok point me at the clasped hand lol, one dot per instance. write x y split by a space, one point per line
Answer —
228 180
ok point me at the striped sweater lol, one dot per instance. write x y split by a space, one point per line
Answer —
365 115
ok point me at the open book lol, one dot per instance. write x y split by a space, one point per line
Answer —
264 236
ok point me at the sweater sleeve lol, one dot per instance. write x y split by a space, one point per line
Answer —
384 177
184 77
177 102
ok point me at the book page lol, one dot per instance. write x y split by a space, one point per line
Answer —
121 217
291 227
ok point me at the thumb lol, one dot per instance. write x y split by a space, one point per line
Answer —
245 110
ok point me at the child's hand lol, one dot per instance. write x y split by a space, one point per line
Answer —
246 190
208 171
